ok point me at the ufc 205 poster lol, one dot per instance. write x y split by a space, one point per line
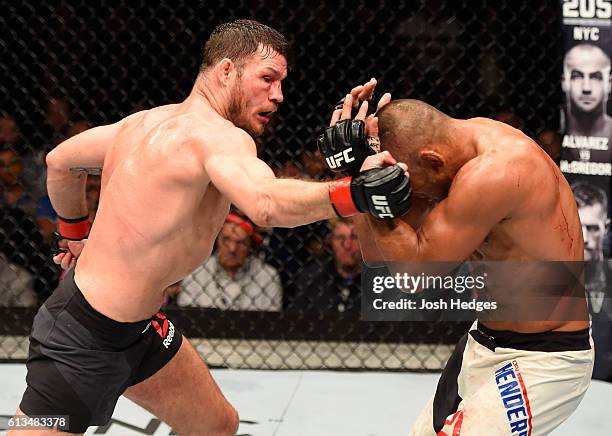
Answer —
585 155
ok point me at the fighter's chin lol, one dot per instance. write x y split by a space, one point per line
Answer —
588 108
255 130
258 130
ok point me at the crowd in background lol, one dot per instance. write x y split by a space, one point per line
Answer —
312 267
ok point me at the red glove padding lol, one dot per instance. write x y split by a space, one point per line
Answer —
383 192
341 197
74 229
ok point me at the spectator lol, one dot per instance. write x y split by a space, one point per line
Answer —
333 283
22 243
21 239
550 141
57 121
15 195
290 249
234 278
10 135
16 285
13 192
314 166
33 171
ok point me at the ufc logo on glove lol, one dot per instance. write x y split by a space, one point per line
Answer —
336 160
381 204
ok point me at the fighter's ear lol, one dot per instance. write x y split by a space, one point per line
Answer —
224 69
432 158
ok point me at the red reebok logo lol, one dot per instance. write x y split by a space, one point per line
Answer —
162 330
455 421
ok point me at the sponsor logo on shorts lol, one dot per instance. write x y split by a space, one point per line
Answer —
452 424
514 398
164 328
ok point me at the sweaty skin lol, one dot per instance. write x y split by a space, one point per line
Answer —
169 176
508 201
158 218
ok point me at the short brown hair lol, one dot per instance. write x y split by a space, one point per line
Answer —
237 40
406 126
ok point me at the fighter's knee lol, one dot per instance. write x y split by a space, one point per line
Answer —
225 424
233 421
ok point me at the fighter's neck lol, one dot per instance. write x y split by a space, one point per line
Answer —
204 98
463 143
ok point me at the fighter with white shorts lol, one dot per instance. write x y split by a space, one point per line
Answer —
479 188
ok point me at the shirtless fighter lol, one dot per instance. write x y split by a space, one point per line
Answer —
482 186
169 176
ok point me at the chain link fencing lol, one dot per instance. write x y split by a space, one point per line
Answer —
293 300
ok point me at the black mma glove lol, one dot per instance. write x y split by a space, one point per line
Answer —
383 192
344 146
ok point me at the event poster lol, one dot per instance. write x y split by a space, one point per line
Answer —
585 155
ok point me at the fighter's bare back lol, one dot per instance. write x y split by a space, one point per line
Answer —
543 224
509 202
158 215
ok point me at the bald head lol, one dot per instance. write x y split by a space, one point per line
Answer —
586 78
419 135
407 126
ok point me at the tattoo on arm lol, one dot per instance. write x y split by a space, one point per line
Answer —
95 171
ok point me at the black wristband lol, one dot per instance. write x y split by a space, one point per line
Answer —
73 220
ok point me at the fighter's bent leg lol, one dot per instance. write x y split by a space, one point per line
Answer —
37 431
507 383
184 395
423 426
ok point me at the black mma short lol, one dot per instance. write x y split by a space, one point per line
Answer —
81 361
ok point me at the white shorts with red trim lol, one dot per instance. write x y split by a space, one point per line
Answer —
491 390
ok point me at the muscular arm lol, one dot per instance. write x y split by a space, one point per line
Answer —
478 200
370 252
68 165
252 186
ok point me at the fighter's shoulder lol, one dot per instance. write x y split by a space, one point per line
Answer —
490 175
222 137
508 151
